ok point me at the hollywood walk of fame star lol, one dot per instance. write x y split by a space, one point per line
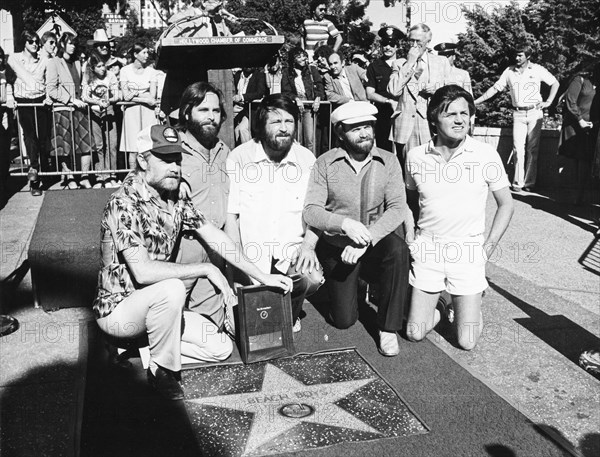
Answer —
282 392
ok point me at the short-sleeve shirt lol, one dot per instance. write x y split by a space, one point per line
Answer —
269 198
135 217
453 194
378 77
316 32
525 87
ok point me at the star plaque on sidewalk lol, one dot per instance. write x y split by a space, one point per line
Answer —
292 404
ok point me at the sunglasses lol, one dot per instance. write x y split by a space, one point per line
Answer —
33 42
51 42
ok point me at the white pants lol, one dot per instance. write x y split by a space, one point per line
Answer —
527 129
157 310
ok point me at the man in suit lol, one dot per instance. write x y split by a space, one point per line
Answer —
413 81
344 84
250 84
457 76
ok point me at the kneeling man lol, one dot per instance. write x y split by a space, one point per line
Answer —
356 197
450 177
140 290
269 177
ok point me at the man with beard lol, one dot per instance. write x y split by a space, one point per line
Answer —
269 176
140 290
205 180
356 197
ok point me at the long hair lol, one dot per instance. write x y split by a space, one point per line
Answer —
445 95
136 48
295 52
64 40
271 103
193 95
93 60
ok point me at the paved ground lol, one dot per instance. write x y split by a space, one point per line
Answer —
542 307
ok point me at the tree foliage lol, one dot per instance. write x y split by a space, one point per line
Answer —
562 33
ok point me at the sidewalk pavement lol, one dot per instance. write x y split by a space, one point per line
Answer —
542 305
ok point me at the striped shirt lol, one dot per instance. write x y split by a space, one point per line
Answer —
317 31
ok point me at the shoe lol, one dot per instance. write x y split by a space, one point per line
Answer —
32 175
388 344
165 383
297 326
516 189
35 188
70 184
98 185
590 361
85 184
111 183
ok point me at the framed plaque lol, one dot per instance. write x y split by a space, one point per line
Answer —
265 323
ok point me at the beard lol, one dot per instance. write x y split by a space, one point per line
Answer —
205 132
361 146
280 145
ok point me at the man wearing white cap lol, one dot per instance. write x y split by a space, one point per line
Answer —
140 290
356 197
101 44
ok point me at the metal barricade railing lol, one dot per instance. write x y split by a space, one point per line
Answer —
314 142
48 143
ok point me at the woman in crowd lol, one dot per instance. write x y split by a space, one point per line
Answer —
101 91
139 86
578 134
71 133
303 82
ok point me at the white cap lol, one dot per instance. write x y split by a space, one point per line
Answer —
353 113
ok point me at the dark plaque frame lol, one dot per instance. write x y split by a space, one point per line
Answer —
265 323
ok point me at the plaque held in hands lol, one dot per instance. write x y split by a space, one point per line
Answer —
265 323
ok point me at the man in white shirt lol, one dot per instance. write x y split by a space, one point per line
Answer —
269 176
450 177
524 83
344 83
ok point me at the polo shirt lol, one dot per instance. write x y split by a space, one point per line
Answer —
378 77
525 87
375 195
206 174
268 198
453 194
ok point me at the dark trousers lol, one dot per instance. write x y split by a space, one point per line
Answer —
35 124
386 264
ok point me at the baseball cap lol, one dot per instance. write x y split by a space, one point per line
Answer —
353 113
160 140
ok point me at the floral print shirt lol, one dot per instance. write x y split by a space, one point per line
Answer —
135 216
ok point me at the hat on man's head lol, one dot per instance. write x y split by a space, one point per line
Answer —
353 113
391 33
446 49
100 36
159 139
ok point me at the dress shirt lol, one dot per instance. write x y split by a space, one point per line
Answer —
525 87
205 172
268 198
346 84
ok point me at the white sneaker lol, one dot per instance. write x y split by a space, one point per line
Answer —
297 326
388 344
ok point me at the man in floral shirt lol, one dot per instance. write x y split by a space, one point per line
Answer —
140 290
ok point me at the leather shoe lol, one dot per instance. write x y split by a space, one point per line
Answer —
35 188
165 383
388 344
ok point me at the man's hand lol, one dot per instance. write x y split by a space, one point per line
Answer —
351 254
414 53
280 281
217 279
79 103
429 88
357 232
305 259
543 105
585 124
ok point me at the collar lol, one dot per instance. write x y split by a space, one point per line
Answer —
341 154
191 142
468 147
260 155
516 70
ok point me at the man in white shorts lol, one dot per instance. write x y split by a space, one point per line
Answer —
450 177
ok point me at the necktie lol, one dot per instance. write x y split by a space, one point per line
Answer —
420 68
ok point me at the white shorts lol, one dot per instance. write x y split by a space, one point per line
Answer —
456 265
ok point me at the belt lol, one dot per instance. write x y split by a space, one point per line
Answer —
525 108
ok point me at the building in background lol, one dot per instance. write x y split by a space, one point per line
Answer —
115 23
6 32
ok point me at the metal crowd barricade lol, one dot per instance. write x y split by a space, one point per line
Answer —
300 130
45 142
